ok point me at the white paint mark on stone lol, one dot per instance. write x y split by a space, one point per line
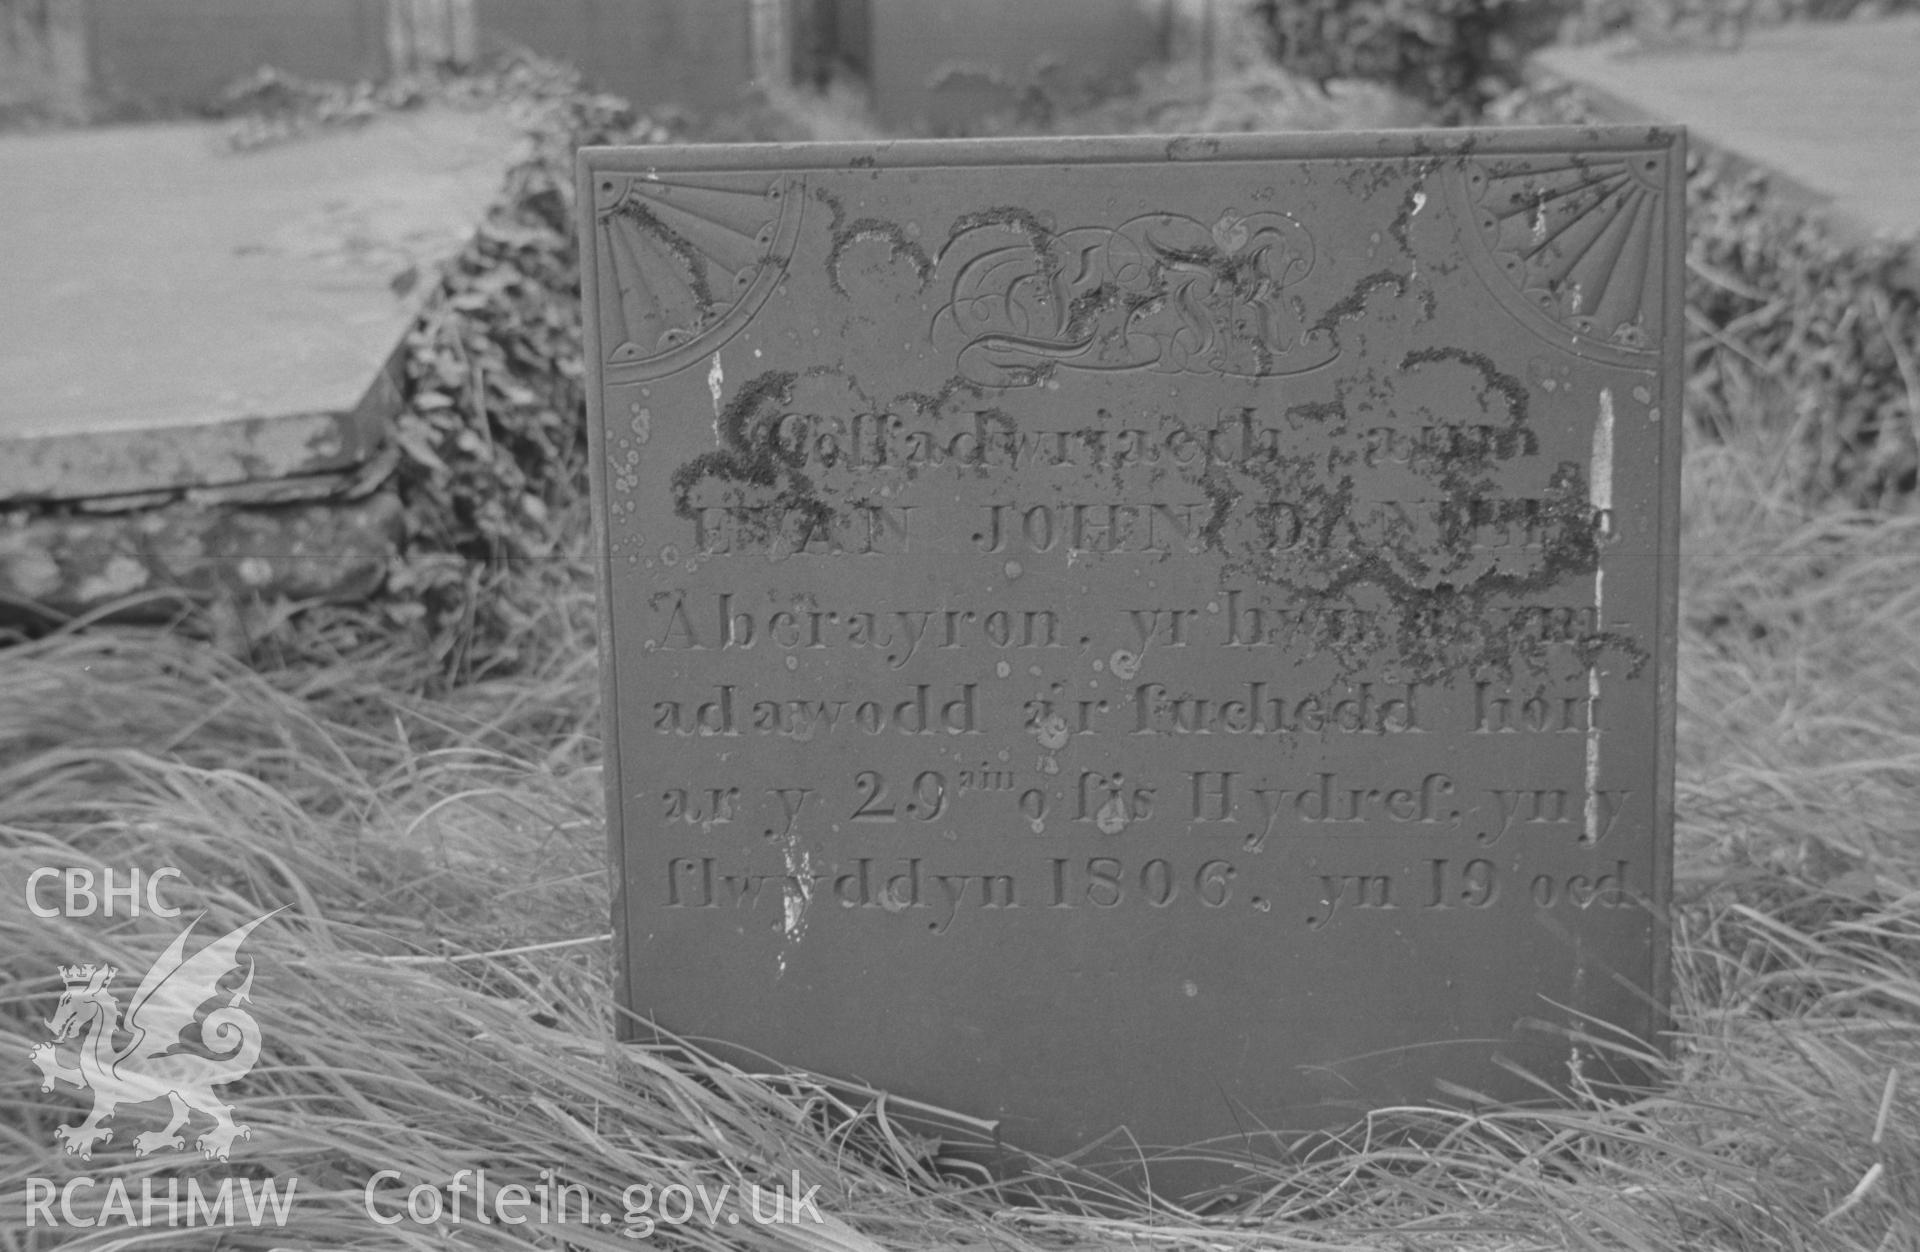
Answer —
1593 730
1600 477
797 892
1600 496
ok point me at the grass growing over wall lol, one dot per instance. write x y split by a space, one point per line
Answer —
436 995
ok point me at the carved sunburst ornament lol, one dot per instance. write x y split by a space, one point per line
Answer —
1575 239
691 259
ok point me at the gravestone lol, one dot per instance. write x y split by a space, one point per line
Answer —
1173 634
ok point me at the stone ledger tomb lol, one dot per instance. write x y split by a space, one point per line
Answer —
1173 634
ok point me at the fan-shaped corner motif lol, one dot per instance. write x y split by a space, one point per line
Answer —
1574 241
686 262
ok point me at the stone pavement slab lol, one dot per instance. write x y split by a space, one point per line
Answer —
1833 109
176 314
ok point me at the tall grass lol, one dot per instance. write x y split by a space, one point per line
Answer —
437 995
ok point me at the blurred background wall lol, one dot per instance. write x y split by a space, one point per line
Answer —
937 68
927 65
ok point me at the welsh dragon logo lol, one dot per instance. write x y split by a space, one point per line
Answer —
157 1061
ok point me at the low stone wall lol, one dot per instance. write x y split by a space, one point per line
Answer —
152 563
75 61
43 59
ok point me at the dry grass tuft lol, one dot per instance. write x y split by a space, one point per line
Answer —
1800 735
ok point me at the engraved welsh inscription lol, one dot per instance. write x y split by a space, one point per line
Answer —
1118 633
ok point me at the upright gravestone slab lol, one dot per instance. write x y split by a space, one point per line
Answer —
1173 634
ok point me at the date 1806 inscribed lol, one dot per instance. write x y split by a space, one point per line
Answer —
1163 634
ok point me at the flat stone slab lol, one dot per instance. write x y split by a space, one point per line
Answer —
1832 108
178 314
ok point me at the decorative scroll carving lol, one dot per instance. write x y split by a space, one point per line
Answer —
691 259
1161 292
1575 239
